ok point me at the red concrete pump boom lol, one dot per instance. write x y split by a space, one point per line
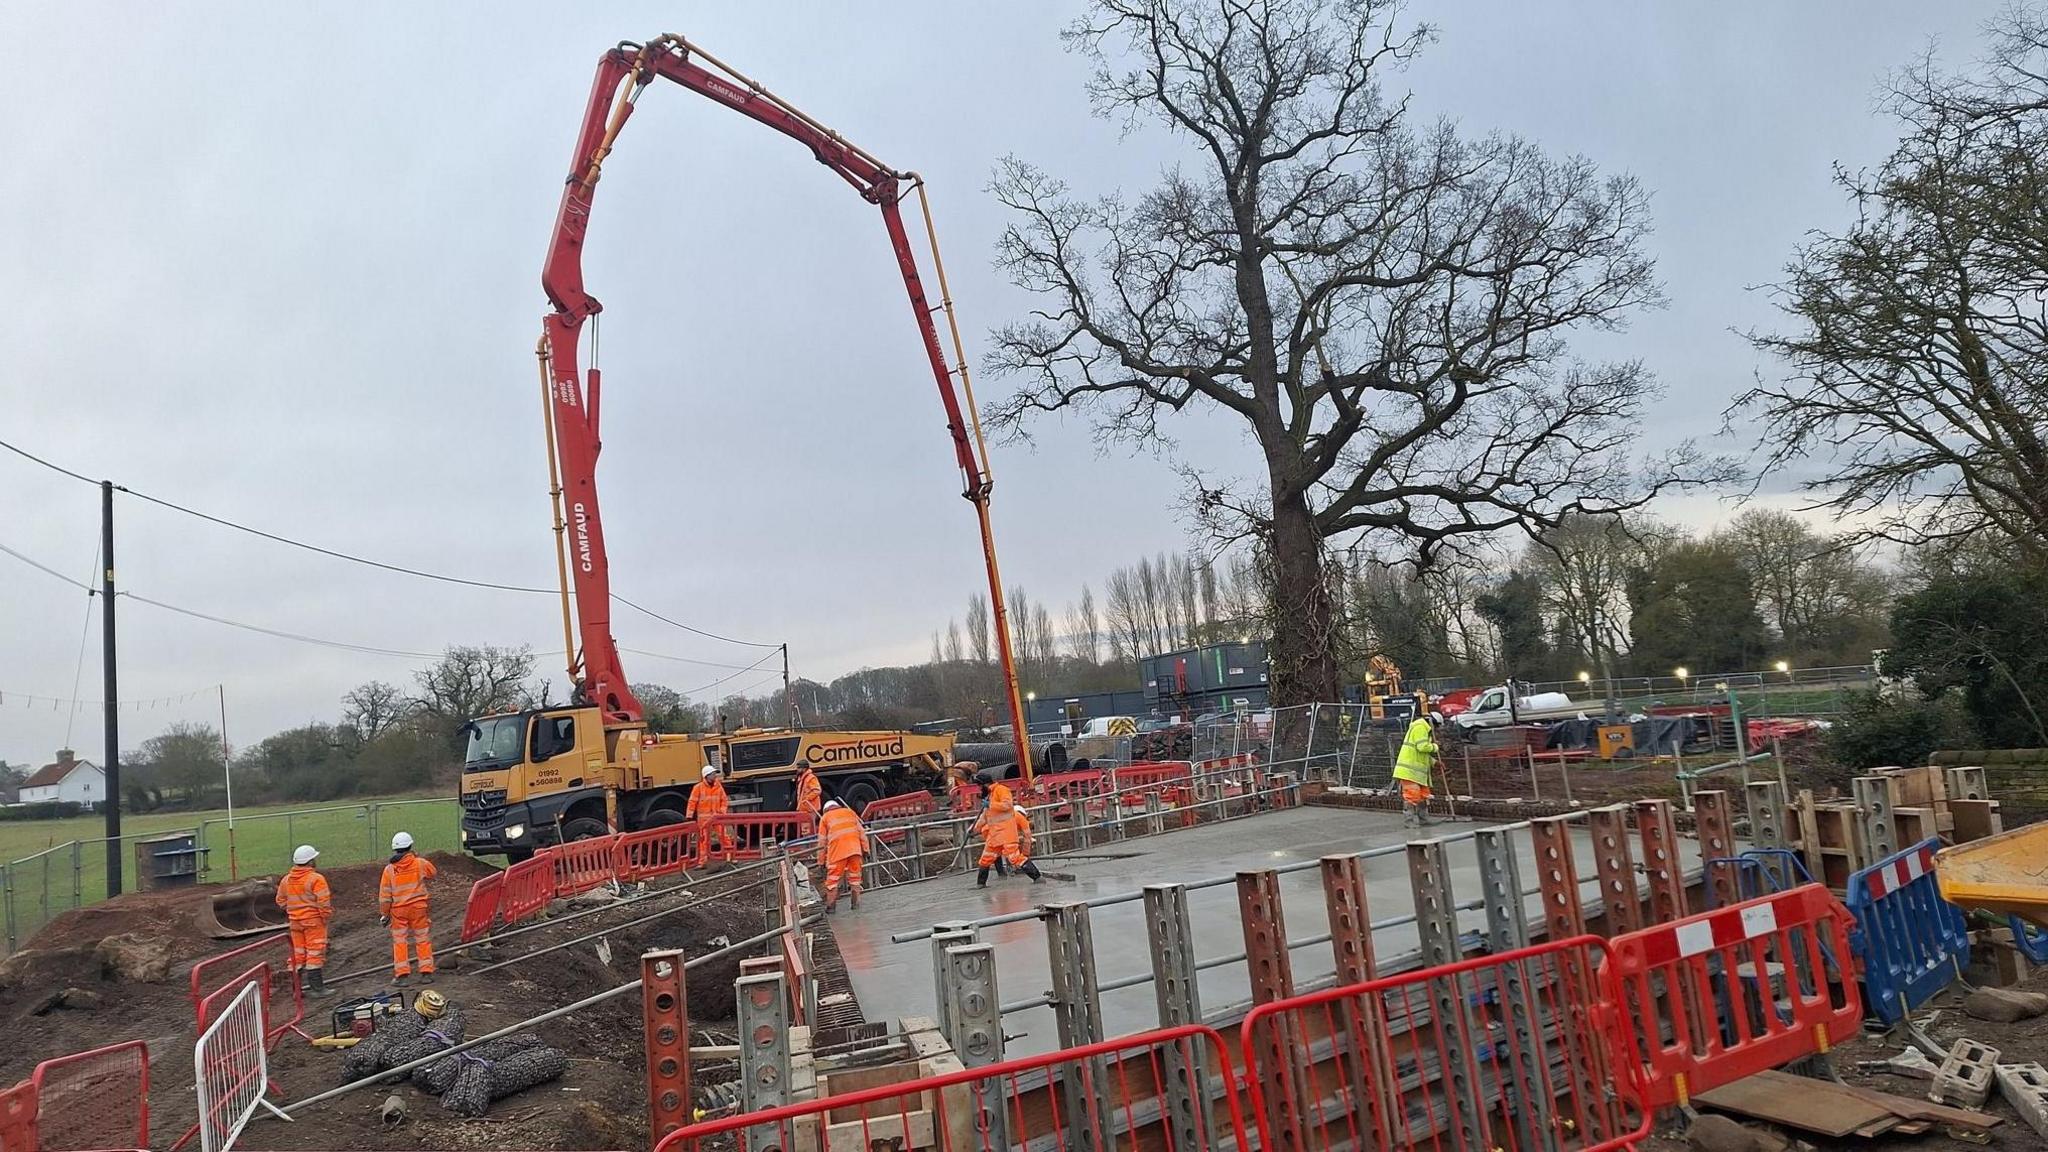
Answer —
622 75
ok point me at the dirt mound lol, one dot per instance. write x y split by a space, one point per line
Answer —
599 1103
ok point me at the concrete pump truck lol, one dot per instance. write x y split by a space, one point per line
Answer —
545 775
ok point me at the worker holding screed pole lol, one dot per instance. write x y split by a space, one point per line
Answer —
1005 838
842 851
1412 769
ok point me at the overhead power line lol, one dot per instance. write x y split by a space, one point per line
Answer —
735 675
342 645
352 558
88 589
687 628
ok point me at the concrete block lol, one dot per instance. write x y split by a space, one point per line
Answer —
1966 1076
2005 1005
2025 1087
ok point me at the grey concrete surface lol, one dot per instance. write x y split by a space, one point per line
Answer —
895 980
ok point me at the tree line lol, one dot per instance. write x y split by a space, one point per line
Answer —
385 739
1395 311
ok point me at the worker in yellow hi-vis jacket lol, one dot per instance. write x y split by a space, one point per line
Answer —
1412 769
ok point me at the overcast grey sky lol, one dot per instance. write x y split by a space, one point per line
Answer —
281 263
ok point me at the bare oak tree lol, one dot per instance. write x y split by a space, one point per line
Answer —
1384 305
1917 343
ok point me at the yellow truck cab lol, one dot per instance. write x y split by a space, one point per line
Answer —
544 776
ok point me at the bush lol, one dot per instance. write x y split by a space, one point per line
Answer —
43 810
1877 730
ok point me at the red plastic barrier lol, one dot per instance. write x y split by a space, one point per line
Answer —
581 865
897 807
739 835
652 852
1713 998
1050 788
18 1117
965 798
230 969
1496 1052
480 915
527 888
1145 774
1106 1097
96 1099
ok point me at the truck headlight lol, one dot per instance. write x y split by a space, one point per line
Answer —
515 831
464 834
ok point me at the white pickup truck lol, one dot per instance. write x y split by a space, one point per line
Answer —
1490 709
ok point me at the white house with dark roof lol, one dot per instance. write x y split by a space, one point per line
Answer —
69 778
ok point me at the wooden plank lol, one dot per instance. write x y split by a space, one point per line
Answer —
1907 1107
1809 1105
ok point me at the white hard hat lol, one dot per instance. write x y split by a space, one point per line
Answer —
834 804
401 842
305 854
710 770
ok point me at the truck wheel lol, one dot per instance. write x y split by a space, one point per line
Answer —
857 792
663 815
582 828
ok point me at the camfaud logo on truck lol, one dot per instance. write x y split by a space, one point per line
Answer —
853 750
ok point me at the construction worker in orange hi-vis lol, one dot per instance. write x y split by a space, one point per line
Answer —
1006 836
810 795
402 905
708 799
842 850
304 897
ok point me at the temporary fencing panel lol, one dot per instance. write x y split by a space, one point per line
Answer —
1169 1090
662 851
18 1118
1047 788
741 835
527 888
1496 1052
1912 943
897 807
96 1099
966 797
1715 997
480 915
232 1070
581 865
904 807
1154 776
214 978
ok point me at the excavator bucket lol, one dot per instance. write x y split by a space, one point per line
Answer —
2005 874
248 909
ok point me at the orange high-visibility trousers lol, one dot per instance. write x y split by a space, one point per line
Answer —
706 832
844 869
411 925
1413 793
309 943
1012 854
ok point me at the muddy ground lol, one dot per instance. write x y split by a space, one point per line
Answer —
600 1104
2017 1043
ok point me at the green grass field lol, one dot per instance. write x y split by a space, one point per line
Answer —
44 875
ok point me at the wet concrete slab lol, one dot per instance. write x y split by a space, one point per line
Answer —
895 980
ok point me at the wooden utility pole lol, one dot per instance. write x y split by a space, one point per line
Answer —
111 691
